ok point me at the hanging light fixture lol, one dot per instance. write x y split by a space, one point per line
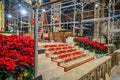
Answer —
9 16
43 10
97 4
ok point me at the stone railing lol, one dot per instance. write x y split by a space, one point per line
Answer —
115 58
95 70
103 71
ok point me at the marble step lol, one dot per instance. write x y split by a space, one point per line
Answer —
77 62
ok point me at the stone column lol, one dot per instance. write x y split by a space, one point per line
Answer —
103 23
98 22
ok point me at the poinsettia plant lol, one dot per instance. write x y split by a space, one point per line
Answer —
91 45
16 56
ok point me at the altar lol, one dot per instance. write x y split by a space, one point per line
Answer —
60 36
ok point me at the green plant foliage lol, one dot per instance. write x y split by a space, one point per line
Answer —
6 32
69 36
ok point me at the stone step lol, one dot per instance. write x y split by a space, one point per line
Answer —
68 59
74 63
53 56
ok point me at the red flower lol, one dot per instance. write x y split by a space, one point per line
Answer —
94 43
27 51
7 63
16 51
32 61
23 61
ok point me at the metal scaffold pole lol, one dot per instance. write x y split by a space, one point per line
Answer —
81 30
51 26
36 41
74 17
109 22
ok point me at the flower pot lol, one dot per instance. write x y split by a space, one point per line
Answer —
77 47
10 78
20 76
6 79
69 39
82 49
25 74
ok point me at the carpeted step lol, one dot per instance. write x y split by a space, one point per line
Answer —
54 45
67 58
61 52
72 54
74 63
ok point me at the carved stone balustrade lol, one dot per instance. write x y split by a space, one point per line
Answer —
94 70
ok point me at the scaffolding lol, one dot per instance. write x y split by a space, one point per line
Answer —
82 13
73 22
80 16
14 8
59 10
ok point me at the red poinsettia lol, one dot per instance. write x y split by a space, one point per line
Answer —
7 63
23 61
16 51
88 41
